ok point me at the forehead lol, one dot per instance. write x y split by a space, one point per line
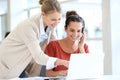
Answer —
54 14
75 25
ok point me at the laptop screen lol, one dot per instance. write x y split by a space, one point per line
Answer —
84 66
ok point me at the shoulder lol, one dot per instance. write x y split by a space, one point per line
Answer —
86 48
35 17
51 48
85 45
31 23
54 42
53 45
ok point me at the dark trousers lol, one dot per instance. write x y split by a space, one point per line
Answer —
22 75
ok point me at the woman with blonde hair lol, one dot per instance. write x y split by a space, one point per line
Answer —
22 44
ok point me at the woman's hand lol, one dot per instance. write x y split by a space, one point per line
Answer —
51 73
82 42
62 62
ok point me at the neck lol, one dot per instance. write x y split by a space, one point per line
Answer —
71 44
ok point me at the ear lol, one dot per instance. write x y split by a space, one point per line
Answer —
43 14
65 28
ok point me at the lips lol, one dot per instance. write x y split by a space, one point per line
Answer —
53 25
74 38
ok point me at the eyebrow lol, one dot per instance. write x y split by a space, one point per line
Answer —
72 28
55 19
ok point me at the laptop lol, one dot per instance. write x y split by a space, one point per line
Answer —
85 66
82 67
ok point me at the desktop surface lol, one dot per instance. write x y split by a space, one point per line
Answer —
104 77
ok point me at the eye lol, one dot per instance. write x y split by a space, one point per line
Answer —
79 31
59 19
71 30
53 19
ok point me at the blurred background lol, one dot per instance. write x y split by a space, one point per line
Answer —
89 10
101 18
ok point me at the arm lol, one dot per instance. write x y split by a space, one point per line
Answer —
51 73
61 62
30 39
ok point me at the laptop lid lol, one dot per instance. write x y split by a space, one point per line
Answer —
84 66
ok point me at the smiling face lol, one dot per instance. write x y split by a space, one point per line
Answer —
74 30
52 19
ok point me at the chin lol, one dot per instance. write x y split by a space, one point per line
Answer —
73 40
52 27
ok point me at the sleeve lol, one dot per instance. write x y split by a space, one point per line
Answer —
30 39
49 65
86 48
43 44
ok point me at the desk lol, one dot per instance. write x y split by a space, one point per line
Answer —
105 77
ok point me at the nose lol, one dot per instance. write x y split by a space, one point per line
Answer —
75 34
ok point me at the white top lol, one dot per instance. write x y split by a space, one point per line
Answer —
21 45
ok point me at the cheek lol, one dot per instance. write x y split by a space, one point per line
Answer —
80 35
69 34
52 22
49 21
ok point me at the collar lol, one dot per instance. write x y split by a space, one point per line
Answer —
42 31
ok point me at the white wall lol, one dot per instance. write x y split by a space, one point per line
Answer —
3 24
107 37
15 12
111 37
115 35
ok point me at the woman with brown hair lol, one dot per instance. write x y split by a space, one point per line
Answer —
73 43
